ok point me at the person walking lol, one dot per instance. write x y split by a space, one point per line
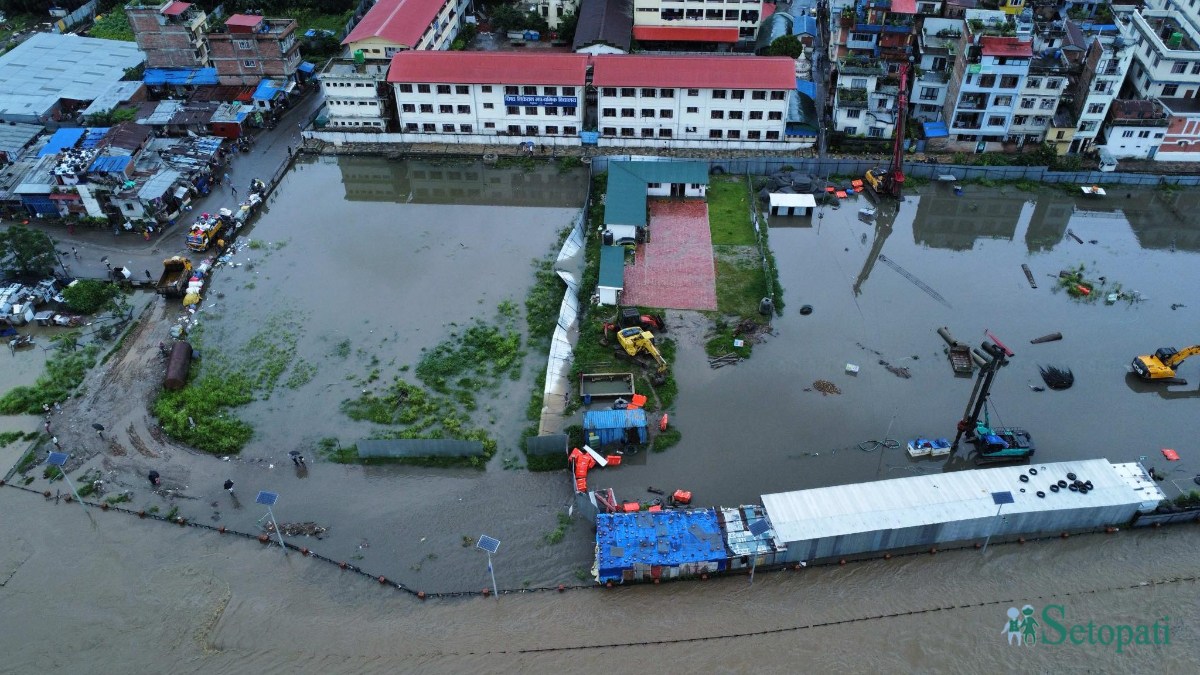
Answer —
154 478
297 458
226 177
54 440
148 275
75 252
229 486
234 191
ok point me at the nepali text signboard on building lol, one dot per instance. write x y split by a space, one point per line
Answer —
563 101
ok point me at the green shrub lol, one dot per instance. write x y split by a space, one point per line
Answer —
88 296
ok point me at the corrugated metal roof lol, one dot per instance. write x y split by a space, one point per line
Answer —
48 67
175 8
700 72
939 498
158 185
418 447
669 538
267 90
614 419
14 137
116 94
739 539
607 22
612 266
625 201
62 140
489 68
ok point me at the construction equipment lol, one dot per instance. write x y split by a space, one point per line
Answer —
993 444
632 316
1160 366
638 346
891 182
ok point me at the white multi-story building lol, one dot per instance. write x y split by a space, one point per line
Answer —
1167 54
990 70
490 93
938 41
704 21
1106 62
393 26
861 105
695 101
1038 99
1135 129
355 95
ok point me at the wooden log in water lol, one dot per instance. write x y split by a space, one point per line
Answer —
1029 276
1051 337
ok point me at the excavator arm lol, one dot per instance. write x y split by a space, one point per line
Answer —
1180 356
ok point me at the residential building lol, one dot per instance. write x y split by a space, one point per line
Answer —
861 107
695 101
171 34
1106 62
554 10
356 95
526 96
990 69
878 29
393 26
254 47
1135 129
938 44
604 27
1167 53
1182 140
51 76
1038 99
708 22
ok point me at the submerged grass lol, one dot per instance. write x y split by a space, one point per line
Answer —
201 414
65 371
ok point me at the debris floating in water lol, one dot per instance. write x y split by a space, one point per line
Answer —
1057 378
896 370
826 387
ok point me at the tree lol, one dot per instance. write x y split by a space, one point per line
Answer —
567 26
786 45
26 252
88 296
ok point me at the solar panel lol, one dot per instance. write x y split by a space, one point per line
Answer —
489 544
57 459
758 527
266 498
999 498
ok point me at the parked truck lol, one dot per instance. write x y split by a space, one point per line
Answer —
206 231
174 280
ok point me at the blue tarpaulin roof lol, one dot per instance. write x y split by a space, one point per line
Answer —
666 539
180 76
267 90
62 140
808 88
936 130
612 266
92 138
306 67
110 164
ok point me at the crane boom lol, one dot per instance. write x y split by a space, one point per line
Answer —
896 178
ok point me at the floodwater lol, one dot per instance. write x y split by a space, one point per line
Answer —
379 255
753 429
204 603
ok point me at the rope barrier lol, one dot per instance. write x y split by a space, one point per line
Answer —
780 567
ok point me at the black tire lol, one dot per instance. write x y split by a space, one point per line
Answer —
1071 476
1054 488
1023 478
1062 484
1032 472
1041 495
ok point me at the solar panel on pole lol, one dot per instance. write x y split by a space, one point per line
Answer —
490 545
757 528
999 499
268 500
59 459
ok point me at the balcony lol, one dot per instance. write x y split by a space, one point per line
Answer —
860 66
934 77
973 102
851 98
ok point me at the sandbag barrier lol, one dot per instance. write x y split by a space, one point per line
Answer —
778 567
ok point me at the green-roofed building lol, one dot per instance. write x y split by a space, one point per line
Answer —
612 274
630 183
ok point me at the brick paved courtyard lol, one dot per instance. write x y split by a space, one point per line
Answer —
675 270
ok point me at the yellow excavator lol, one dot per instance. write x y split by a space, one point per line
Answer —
637 345
1160 366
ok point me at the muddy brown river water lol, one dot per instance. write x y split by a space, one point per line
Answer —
373 252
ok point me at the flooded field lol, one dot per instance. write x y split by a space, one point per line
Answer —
754 428
391 257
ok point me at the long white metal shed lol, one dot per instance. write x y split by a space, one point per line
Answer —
956 506
784 204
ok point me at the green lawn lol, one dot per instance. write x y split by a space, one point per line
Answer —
307 18
729 212
112 26
740 281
